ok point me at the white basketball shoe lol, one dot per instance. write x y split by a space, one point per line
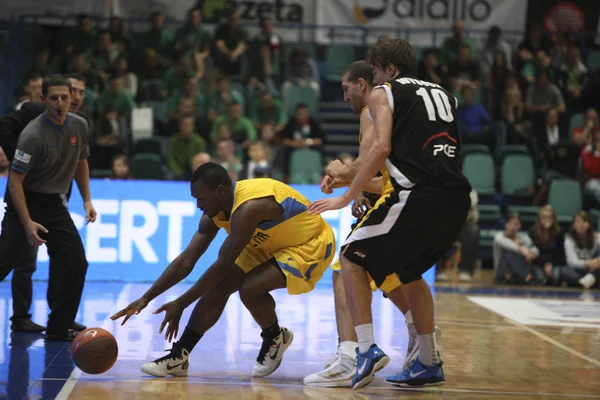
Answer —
271 353
175 363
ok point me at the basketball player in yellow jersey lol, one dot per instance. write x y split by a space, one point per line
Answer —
272 243
357 83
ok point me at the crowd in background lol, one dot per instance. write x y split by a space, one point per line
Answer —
227 96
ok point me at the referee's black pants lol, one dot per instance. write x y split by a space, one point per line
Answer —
67 276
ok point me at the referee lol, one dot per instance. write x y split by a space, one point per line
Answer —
51 151
11 127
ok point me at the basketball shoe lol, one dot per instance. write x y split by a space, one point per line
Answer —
366 365
412 350
338 373
418 374
175 363
271 353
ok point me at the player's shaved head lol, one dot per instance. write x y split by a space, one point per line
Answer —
360 70
211 175
212 188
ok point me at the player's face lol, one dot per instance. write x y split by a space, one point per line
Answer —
353 94
57 102
77 94
208 200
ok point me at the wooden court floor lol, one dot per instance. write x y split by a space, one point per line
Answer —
549 348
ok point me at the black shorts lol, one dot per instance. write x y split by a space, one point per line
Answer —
408 232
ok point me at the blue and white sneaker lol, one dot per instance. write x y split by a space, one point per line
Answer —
366 365
418 374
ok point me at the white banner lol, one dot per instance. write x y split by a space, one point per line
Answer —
421 15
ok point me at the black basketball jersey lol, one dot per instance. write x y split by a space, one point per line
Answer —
425 148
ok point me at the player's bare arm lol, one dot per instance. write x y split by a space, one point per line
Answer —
177 270
379 151
82 178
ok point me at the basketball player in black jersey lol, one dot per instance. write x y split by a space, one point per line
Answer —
417 145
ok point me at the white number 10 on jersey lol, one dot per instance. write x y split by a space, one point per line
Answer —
442 103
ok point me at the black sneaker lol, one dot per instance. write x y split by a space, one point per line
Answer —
26 325
60 337
77 327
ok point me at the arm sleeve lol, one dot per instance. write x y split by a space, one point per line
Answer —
572 260
527 242
505 243
85 136
26 153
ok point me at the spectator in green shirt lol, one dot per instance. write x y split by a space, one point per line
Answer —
189 91
120 100
268 110
452 44
183 147
157 38
231 42
191 37
220 100
176 76
103 55
120 38
83 37
242 129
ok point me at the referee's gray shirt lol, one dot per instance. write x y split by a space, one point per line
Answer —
49 153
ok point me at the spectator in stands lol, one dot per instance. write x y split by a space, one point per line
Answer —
231 42
225 95
4 163
590 169
108 135
540 62
41 66
550 242
430 69
583 135
513 112
177 75
494 44
476 126
192 39
121 169
534 40
572 76
496 83
189 91
153 69
269 111
542 97
183 147
451 47
265 59
590 95
301 70
513 253
93 81
103 55
242 129
186 107
557 155
302 131
157 37
225 151
83 37
129 80
115 96
200 159
33 86
464 70
257 166
223 131
121 39
582 250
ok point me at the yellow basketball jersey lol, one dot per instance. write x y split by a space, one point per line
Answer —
296 228
386 182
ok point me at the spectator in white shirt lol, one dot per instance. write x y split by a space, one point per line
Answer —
582 249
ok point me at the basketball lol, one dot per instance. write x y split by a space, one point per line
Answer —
94 351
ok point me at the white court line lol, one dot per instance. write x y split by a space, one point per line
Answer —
72 380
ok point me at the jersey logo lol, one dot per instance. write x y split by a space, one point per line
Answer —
447 149
73 140
23 157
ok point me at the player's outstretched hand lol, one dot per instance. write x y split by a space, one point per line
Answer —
132 309
173 313
360 206
334 203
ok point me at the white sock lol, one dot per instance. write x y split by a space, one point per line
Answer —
409 318
428 349
365 336
348 349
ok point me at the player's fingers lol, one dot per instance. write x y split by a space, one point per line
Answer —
42 228
162 326
160 309
126 319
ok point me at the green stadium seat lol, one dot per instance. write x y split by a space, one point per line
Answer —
577 121
302 94
489 214
595 214
147 166
306 167
159 109
474 148
593 60
147 145
337 59
515 149
100 173
565 197
479 169
528 214
517 175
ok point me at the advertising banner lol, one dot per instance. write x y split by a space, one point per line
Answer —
143 225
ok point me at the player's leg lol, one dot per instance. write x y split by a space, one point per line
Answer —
206 313
255 295
22 291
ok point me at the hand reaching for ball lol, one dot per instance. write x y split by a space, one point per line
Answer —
132 309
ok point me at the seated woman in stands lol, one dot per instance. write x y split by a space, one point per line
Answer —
582 249
550 242
513 254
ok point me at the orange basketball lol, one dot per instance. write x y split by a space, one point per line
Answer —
94 350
